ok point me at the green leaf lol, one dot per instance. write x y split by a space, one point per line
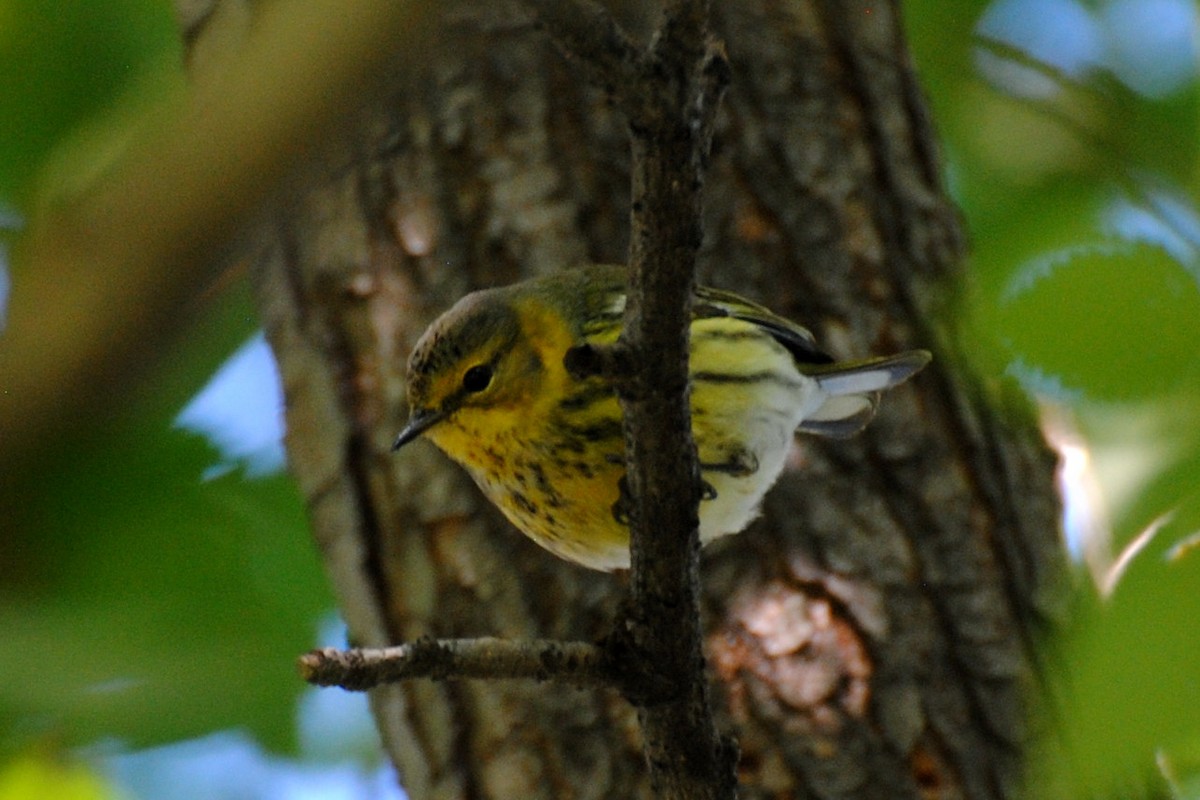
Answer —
43 775
138 601
1134 665
1110 320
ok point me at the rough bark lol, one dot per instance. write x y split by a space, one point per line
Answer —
871 636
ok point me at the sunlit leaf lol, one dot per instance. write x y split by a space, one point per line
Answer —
43 775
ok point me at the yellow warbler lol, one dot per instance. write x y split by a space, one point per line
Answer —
487 385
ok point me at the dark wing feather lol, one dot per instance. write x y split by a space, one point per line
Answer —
797 339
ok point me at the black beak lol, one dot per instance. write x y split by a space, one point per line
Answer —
421 420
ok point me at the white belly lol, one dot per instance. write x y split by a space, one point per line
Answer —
761 438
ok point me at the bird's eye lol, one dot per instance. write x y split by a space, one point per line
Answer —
477 378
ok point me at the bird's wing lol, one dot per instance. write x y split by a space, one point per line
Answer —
796 338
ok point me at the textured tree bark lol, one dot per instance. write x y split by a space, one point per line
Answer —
872 635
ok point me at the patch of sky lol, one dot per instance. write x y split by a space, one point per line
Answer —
240 410
1164 218
230 765
1149 45
1061 34
339 755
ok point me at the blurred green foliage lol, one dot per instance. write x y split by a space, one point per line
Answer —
1133 667
1084 285
63 63
142 603
137 602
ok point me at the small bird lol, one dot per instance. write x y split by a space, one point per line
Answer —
487 384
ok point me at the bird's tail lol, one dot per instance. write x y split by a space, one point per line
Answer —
852 388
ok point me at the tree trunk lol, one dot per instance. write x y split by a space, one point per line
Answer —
871 635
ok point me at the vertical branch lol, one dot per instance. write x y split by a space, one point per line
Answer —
670 94
671 133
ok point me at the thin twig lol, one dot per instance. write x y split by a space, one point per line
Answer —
577 663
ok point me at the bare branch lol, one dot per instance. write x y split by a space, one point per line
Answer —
671 99
671 137
577 663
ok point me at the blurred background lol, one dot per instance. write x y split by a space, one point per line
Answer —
156 575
